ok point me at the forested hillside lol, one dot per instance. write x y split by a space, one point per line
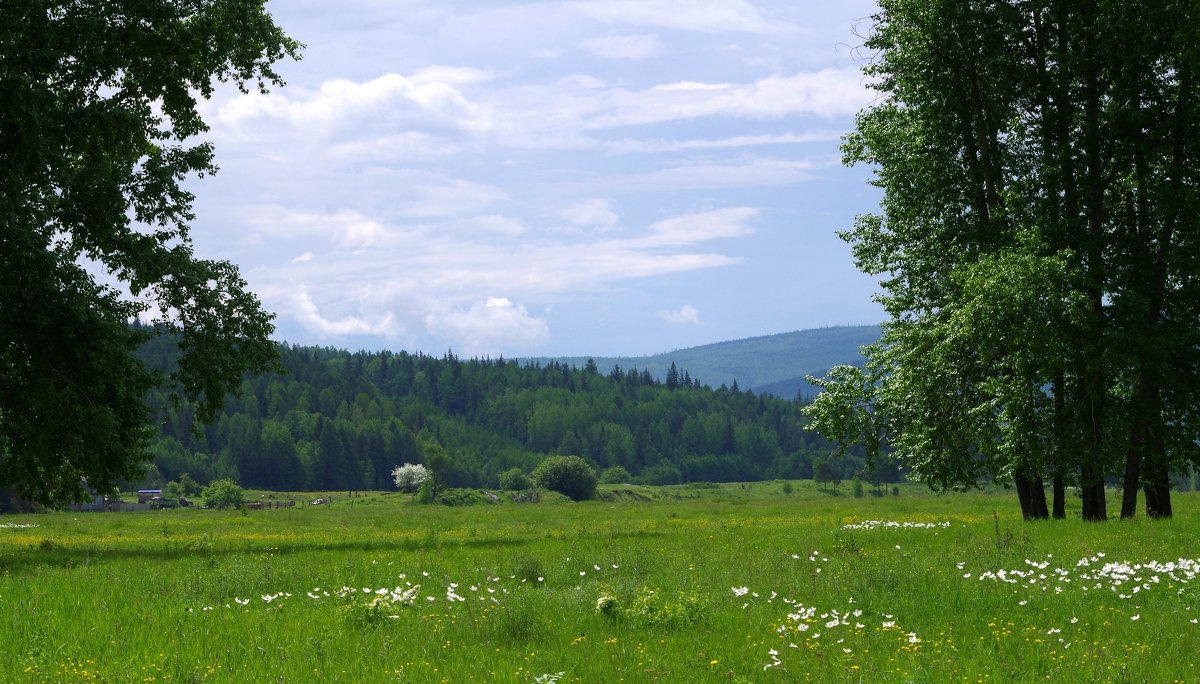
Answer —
340 420
770 364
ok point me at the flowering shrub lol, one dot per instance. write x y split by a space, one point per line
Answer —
607 604
410 476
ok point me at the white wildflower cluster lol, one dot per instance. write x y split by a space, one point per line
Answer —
548 678
836 629
491 590
813 557
17 526
1093 572
894 525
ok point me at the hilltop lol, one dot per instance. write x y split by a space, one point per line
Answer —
769 364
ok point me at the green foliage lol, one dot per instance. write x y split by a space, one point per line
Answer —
185 487
341 421
655 608
1035 241
101 119
223 494
426 493
858 488
615 475
568 475
515 480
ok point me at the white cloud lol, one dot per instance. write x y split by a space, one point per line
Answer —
825 93
691 85
490 327
339 103
441 281
702 226
451 197
495 224
632 47
707 16
416 174
302 307
450 74
738 173
650 145
594 212
686 315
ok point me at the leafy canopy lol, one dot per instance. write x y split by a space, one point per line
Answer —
98 103
1038 247
567 475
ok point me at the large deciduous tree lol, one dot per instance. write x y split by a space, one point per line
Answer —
1038 244
98 121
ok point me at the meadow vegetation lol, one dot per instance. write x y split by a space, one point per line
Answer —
770 581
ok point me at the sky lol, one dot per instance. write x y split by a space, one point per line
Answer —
595 177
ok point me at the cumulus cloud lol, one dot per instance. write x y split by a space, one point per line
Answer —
633 47
339 103
416 185
686 315
301 305
490 327
440 281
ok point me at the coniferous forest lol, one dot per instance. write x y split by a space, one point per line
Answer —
335 420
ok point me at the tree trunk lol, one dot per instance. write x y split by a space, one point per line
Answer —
1133 462
1060 497
1031 494
1093 402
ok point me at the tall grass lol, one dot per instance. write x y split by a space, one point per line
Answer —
724 584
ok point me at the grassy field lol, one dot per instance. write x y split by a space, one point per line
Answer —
738 583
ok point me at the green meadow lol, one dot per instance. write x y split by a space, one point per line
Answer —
741 583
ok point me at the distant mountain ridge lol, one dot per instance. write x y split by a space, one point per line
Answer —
770 364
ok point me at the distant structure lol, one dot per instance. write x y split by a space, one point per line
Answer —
144 495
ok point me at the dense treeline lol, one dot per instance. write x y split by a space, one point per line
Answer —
339 420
